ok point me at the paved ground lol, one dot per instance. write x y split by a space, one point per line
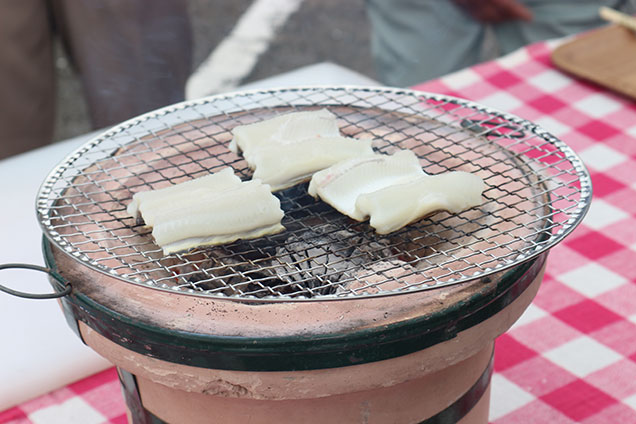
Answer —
320 30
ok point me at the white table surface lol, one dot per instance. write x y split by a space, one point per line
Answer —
39 350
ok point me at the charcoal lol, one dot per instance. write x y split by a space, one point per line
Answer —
311 258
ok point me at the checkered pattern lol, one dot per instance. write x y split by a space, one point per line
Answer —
572 356
94 400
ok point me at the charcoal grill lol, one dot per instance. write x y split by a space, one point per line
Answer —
283 317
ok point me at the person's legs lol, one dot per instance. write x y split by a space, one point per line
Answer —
413 40
131 55
26 76
555 19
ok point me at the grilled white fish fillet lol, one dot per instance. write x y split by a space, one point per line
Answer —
288 149
210 210
246 211
153 199
290 126
284 165
396 206
341 184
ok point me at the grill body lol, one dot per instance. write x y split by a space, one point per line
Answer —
182 356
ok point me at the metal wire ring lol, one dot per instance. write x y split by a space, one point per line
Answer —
67 287
539 191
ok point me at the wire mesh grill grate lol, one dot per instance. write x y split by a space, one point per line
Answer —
537 192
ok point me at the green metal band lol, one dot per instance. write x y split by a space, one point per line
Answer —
462 406
296 353
138 413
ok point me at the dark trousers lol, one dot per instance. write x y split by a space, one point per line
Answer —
132 56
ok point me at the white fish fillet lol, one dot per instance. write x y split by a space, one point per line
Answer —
153 199
247 211
214 209
395 206
215 240
288 149
290 126
341 184
282 166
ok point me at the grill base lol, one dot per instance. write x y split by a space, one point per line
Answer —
459 393
449 369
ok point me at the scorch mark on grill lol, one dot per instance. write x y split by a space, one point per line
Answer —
226 389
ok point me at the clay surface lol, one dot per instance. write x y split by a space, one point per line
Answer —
314 383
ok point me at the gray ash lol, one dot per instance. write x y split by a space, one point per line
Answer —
303 262
316 255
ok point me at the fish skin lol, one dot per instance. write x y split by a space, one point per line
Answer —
196 242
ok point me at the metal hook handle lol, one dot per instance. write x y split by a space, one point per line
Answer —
67 287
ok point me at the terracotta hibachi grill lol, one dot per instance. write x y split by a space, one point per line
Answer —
327 321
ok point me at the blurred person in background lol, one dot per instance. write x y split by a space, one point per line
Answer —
131 56
416 40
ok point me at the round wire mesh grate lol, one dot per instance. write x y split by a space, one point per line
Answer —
537 192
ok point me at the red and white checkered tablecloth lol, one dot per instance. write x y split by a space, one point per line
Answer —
572 356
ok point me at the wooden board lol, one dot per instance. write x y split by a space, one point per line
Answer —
606 56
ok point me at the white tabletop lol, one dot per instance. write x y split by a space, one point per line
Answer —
41 352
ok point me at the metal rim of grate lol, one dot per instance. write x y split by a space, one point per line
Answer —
538 191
